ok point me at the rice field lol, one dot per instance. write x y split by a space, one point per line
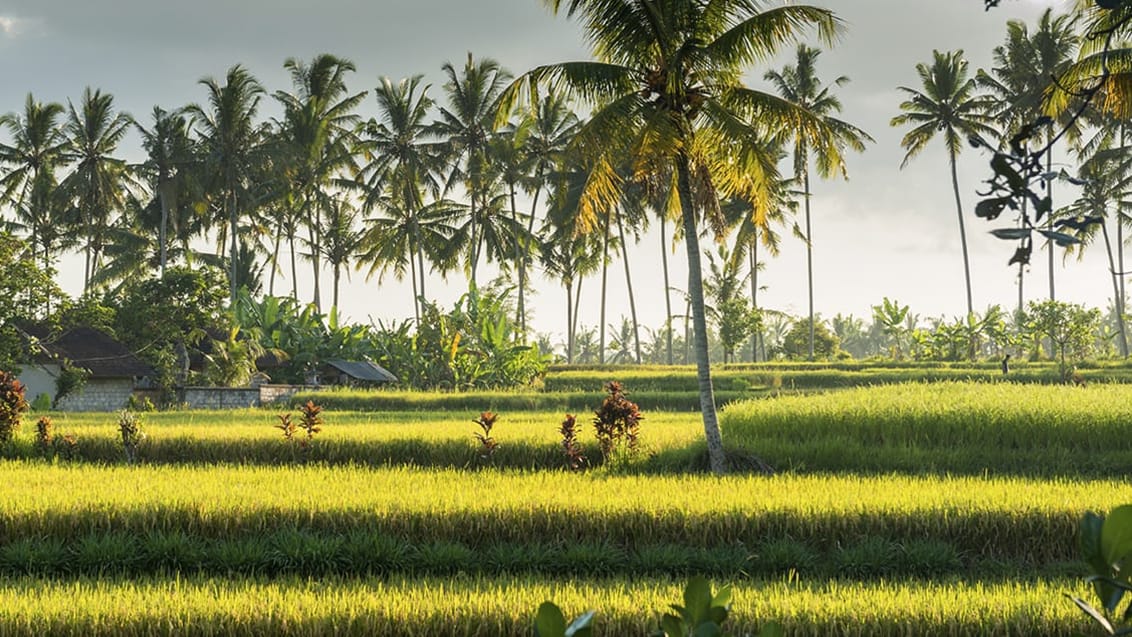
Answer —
925 508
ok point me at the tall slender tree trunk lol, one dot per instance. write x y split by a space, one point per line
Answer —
667 289
520 311
753 257
413 276
712 433
569 321
809 253
577 310
337 278
421 272
1049 226
1022 272
629 287
1115 289
604 281
525 261
232 221
163 188
294 266
275 258
314 228
962 234
474 246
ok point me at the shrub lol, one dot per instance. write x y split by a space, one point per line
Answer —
617 421
310 422
43 438
129 425
575 459
488 445
12 405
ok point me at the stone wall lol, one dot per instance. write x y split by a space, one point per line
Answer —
220 397
100 395
269 394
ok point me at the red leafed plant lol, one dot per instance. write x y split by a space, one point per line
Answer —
488 445
575 459
617 421
12 405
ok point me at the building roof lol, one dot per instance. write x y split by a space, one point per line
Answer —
97 352
363 370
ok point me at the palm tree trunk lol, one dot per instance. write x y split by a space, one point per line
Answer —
420 272
962 234
569 321
712 433
313 231
1021 271
754 266
809 254
337 277
1115 290
474 245
233 284
294 265
163 187
1049 226
667 286
525 261
520 311
629 287
577 310
604 279
275 258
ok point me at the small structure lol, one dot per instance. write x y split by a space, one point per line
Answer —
354 374
113 372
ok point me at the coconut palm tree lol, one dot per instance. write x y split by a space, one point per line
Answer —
171 154
98 185
467 124
318 143
666 91
1023 80
949 103
549 125
37 148
800 84
231 141
402 153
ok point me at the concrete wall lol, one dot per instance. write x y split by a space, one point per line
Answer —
38 379
220 397
100 395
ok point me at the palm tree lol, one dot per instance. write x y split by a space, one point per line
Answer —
318 141
949 104
98 184
800 84
36 151
231 141
341 240
549 125
467 126
666 91
403 154
171 153
1024 78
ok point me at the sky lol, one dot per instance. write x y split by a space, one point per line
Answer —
885 232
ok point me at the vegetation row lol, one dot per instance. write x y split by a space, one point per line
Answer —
487 606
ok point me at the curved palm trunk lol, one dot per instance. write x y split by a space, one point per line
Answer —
629 287
699 320
667 288
809 254
413 277
962 234
524 262
1115 290
420 272
604 280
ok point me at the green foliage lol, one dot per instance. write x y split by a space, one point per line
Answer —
550 622
571 449
796 343
1068 326
12 405
44 440
26 292
70 381
1106 546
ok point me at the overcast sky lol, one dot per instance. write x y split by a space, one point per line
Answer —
885 232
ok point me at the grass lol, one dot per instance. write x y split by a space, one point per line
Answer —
503 606
1027 522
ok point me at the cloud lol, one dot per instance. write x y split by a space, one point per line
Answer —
11 27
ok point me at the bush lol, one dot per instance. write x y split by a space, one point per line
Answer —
12 405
